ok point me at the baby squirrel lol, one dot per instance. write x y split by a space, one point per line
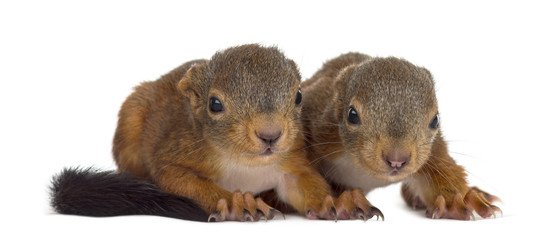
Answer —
203 140
375 121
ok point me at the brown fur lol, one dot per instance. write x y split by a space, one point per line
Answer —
396 103
167 133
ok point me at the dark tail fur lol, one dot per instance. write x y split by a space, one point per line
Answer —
97 193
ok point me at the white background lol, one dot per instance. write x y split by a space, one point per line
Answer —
66 67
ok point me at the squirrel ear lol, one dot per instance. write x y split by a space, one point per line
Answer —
187 85
190 85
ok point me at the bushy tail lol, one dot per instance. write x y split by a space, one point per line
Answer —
97 193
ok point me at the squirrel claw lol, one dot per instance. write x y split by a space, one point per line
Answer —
221 213
266 211
274 212
215 217
358 213
333 213
373 211
271 213
247 216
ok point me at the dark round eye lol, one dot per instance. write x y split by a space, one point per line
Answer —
298 97
215 105
353 117
434 123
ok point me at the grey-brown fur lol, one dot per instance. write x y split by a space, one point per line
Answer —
371 122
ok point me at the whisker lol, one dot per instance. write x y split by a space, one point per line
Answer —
313 162
319 144
441 173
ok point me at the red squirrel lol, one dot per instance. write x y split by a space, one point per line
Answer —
372 122
200 142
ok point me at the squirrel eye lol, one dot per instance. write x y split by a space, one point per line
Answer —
298 97
353 117
434 123
215 105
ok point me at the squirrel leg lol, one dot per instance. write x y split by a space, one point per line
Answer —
310 194
221 204
305 190
440 186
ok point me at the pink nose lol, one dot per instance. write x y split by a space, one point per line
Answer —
269 135
396 158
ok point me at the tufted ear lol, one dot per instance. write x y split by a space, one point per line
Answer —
192 86
340 87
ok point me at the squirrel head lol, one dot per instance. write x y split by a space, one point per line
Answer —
246 100
388 115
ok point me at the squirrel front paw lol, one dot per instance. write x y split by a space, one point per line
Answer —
349 205
354 205
244 208
462 208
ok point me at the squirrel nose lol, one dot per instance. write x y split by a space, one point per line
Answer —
396 158
269 135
